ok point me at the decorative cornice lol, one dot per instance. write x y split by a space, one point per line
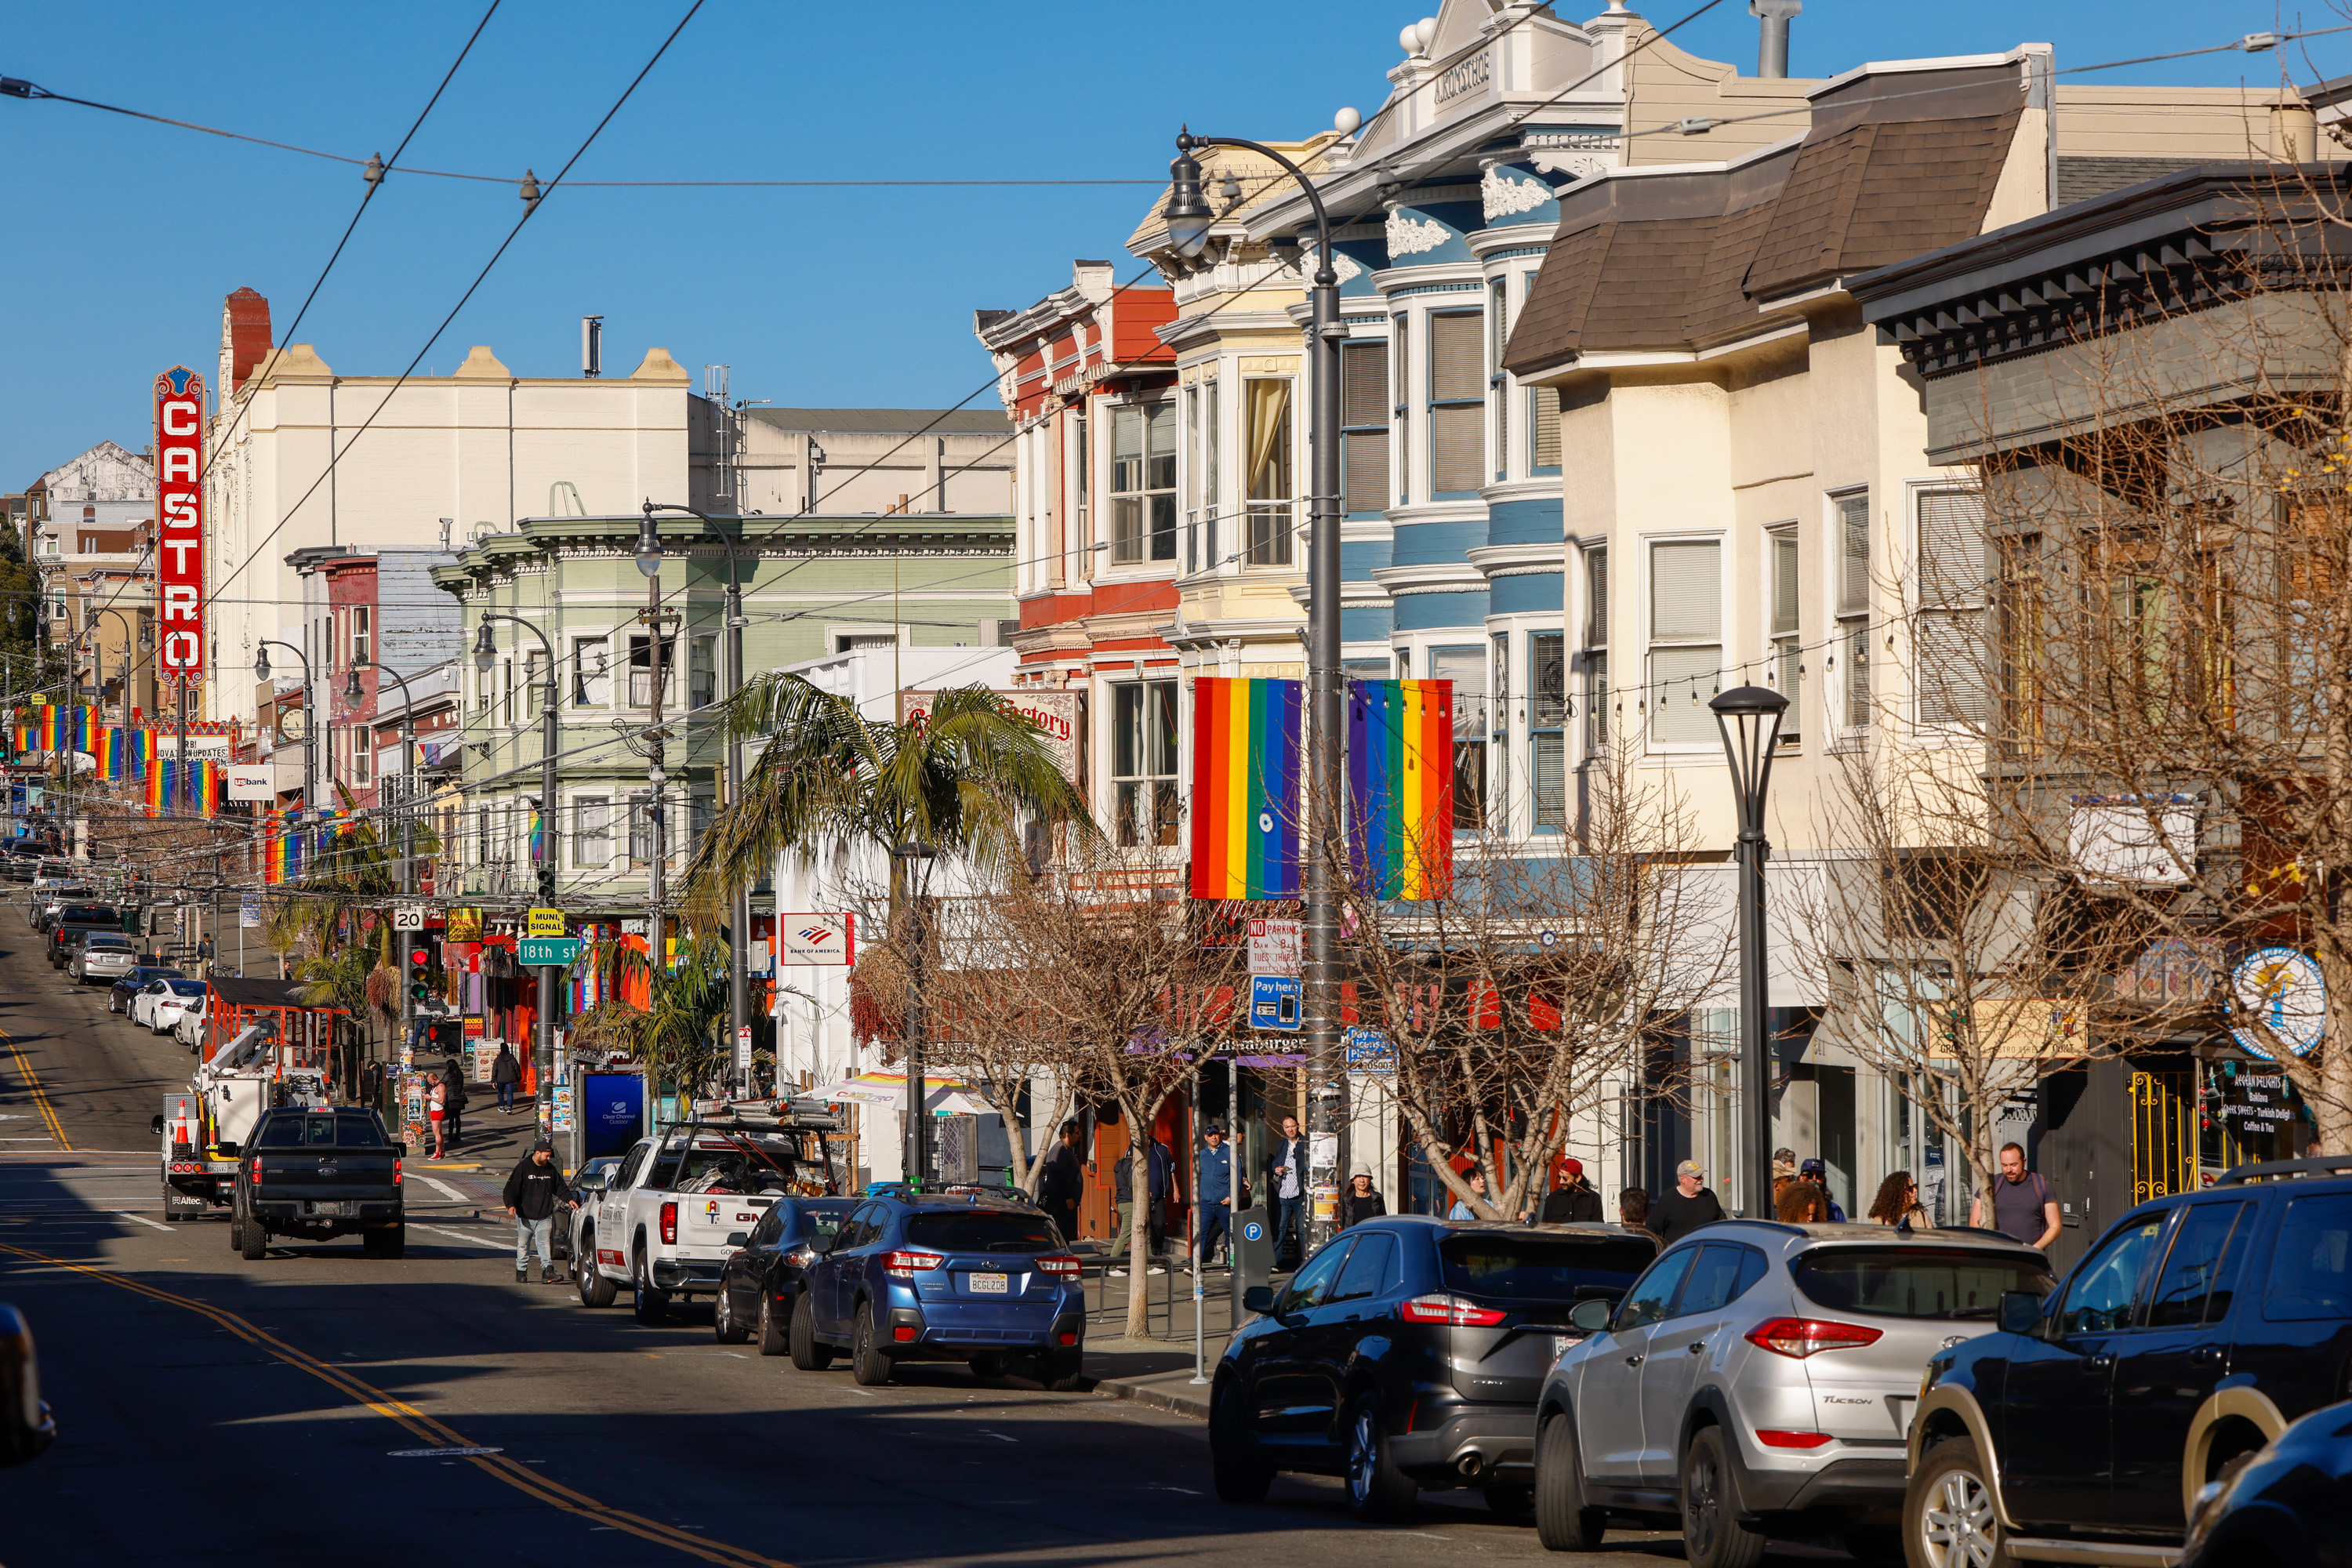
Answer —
1518 560
1410 236
1501 197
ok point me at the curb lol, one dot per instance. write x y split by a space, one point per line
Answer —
1158 1398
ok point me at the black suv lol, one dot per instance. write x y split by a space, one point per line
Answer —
2190 1336
1407 1355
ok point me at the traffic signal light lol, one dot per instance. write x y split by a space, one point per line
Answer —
420 971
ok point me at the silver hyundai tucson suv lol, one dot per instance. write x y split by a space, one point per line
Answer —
1757 1381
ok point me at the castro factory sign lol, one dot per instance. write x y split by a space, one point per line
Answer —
180 533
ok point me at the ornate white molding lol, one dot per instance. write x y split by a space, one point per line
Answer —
1345 264
1502 196
1410 236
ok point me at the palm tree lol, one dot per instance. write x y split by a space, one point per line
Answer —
830 779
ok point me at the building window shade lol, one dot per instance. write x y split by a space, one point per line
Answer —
1786 619
592 832
1596 649
1458 390
1543 434
1499 381
1364 427
1548 679
1686 639
1467 669
1853 609
1952 650
1266 408
591 675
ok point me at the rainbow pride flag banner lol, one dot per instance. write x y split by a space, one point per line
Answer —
209 786
108 752
1401 787
142 751
158 792
52 725
81 728
1249 748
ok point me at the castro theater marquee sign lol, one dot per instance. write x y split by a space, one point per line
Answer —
180 533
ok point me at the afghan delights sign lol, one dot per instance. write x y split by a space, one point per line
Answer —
179 532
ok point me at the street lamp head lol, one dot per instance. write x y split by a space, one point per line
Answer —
1187 212
649 551
261 664
353 692
486 651
915 849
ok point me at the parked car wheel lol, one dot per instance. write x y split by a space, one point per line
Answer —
1239 1475
1711 1534
774 1334
1563 1523
649 1305
808 1355
1949 1519
255 1242
867 1364
723 1326
235 1231
595 1290
1377 1490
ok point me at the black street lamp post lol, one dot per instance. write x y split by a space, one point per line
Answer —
911 871
1188 219
1750 718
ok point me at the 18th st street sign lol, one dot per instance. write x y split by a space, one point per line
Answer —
557 950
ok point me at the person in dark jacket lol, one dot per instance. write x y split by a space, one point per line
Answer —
1691 1205
1574 1202
453 1073
1215 1198
505 1072
533 1189
1359 1200
1064 1183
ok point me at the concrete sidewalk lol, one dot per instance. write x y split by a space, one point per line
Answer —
1158 1371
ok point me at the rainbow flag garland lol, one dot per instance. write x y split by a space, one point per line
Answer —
1249 753
1401 787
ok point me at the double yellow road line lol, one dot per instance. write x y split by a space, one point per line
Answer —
40 1097
439 1434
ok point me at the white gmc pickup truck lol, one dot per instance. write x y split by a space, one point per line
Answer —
666 1219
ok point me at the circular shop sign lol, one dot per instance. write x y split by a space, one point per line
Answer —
2281 985
1253 1232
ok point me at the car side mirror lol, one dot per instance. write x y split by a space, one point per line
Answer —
2021 1312
739 1238
1593 1316
156 1126
1259 1299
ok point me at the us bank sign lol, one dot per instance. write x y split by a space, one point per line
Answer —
180 518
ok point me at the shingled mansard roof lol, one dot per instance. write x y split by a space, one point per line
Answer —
1682 257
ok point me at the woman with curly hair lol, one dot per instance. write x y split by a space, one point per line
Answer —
1898 1200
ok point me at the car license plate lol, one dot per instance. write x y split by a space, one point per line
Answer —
334 1211
989 1284
1559 1343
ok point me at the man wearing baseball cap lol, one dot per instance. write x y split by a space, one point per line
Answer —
1571 1200
1691 1205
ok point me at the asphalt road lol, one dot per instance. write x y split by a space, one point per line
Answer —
303 1408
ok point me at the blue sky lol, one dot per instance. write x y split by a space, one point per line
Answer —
124 236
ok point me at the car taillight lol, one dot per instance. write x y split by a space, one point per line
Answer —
257 1170
1060 1264
1772 1438
1453 1309
905 1265
1801 1337
670 1225
395 1170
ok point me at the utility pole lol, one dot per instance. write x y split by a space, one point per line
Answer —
739 990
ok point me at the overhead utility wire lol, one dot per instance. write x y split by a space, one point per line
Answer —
530 208
15 87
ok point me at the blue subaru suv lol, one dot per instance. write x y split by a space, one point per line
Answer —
984 1280
2190 1334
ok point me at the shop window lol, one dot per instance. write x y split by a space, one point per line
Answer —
1457 401
1686 640
1143 483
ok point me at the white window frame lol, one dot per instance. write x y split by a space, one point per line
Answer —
1651 643
1850 628
1784 647
573 644
1925 605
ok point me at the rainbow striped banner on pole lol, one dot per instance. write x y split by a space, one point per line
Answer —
53 728
1249 741
1401 787
108 752
82 728
158 792
142 751
209 783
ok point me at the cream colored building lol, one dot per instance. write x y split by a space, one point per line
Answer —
432 462
1754 500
